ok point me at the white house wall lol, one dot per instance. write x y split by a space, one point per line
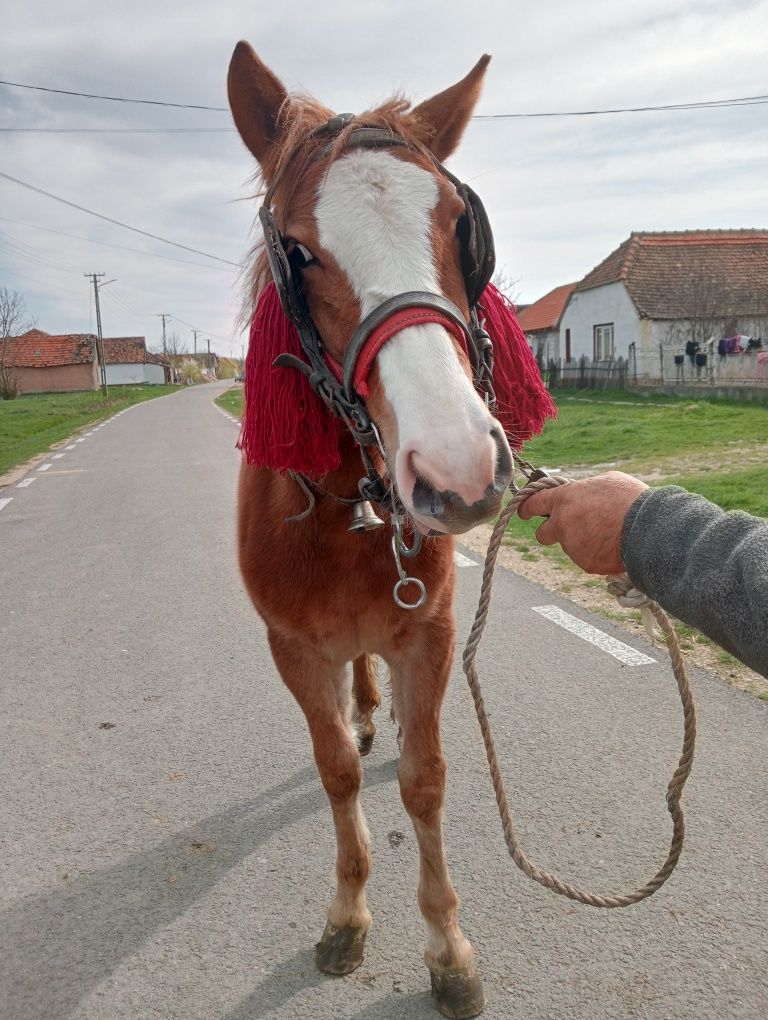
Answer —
125 375
135 374
545 344
597 307
155 374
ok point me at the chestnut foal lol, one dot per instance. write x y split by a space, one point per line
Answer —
361 224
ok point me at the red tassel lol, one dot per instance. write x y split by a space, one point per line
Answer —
286 426
523 403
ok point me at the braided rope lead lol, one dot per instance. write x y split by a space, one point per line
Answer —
623 589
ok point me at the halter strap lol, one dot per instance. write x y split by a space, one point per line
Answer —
413 308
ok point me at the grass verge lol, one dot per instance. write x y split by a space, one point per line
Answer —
599 428
33 422
232 400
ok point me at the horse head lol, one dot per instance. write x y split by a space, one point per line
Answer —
359 222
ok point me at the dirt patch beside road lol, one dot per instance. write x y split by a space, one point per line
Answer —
561 576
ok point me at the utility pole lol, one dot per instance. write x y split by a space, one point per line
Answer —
164 316
194 334
210 367
99 345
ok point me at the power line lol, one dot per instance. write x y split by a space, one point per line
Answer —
116 99
209 332
118 223
117 131
119 247
704 104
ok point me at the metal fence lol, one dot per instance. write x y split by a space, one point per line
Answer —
663 367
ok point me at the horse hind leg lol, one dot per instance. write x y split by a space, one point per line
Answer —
365 692
322 691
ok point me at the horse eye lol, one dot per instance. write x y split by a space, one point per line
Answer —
301 256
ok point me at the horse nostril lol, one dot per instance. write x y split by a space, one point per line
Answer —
427 501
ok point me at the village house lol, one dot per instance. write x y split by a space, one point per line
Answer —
42 363
62 363
660 290
541 323
130 363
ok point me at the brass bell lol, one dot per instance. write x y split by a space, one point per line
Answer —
363 517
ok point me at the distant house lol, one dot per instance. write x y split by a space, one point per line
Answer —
541 323
130 363
667 288
43 363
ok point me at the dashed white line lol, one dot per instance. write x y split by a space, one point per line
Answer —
70 447
26 483
463 561
57 456
624 653
4 502
81 440
44 467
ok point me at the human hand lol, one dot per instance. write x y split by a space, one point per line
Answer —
586 518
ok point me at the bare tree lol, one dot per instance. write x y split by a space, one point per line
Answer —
508 286
174 346
709 307
14 320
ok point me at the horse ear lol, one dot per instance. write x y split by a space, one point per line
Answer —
256 97
444 117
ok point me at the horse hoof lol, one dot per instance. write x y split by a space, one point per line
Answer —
458 993
365 740
340 950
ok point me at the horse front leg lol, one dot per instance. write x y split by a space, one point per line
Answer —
323 692
419 678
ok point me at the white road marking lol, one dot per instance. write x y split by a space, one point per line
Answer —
463 561
57 456
70 447
81 440
5 502
620 651
26 483
44 467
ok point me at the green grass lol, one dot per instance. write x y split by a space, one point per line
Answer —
232 400
600 428
32 423
595 428
733 490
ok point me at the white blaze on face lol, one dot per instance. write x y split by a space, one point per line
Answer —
374 215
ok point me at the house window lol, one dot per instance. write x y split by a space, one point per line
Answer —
603 341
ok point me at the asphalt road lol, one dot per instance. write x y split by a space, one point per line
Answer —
167 850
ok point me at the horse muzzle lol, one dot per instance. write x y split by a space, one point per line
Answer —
446 511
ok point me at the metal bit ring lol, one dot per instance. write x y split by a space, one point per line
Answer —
402 583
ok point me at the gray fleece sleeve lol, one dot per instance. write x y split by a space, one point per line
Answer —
703 565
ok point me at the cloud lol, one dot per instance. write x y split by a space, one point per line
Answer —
561 193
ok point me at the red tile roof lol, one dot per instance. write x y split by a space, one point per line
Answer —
545 314
40 350
665 273
124 350
157 359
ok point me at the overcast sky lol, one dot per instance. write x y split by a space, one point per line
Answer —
561 192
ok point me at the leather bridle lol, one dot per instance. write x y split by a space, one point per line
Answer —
342 388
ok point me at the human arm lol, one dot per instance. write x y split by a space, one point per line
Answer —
705 566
